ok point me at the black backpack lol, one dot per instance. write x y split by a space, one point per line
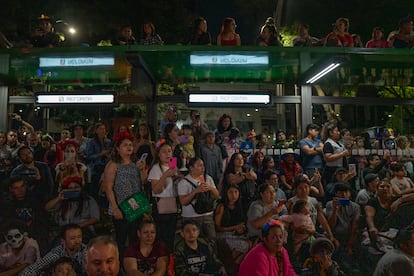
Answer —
204 202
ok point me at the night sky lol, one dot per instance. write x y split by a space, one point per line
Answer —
96 20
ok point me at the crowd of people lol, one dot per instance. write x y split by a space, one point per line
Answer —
218 203
44 35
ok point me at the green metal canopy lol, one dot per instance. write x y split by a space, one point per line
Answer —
211 64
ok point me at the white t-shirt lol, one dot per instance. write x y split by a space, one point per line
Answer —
184 188
155 174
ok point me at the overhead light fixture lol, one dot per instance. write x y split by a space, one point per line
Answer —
323 72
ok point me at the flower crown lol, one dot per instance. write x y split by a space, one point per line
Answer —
122 135
71 179
67 142
160 143
270 224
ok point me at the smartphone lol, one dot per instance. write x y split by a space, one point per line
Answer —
173 163
201 179
281 202
343 201
352 168
69 194
143 156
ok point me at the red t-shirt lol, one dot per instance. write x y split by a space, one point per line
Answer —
149 263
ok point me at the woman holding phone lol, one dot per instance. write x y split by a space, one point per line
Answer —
161 177
74 205
123 178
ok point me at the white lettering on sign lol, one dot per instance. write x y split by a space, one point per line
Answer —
75 61
231 59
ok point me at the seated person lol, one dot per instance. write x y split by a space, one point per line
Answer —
321 262
194 256
230 222
18 250
62 267
264 209
401 184
149 256
302 225
269 257
27 208
74 205
398 261
364 195
71 247
343 217
270 177
341 175
289 169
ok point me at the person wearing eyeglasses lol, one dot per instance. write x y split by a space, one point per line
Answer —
269 257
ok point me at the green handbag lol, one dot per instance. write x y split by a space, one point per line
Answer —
135 206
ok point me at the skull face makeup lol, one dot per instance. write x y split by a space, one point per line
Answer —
14 238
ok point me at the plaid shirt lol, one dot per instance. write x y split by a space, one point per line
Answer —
51 257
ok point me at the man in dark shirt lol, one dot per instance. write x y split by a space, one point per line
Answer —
43 35
375 164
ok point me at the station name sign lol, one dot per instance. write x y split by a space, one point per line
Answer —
75 61
64 99
207 58
227 99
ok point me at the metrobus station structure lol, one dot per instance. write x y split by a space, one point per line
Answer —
263 88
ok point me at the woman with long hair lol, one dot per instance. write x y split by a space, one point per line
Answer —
245 178
161 177
123 178
144 144
149 256
149 35
228 35
227 136
230 223
74 205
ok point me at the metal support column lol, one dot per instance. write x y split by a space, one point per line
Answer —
4 93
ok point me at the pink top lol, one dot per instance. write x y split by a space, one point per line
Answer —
259 262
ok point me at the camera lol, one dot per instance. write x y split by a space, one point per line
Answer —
197 116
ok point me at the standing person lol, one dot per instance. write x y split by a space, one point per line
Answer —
311 150
227 136
228 35
98 150
197 181
123 178
102 257
400 260
334 152
200 130
340 37
245 178
369 192
161 177
78 130
5 157
125 37
304 38
268 36
149 256
43 35
199 34
269 257
289 169
149 35
377 40
144 144
212 157
71 246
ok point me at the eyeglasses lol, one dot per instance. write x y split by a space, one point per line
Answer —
270 224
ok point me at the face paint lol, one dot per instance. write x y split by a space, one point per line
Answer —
14 238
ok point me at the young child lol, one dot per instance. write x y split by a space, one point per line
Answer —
401 183
187 141
194 256
62 267
302 224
